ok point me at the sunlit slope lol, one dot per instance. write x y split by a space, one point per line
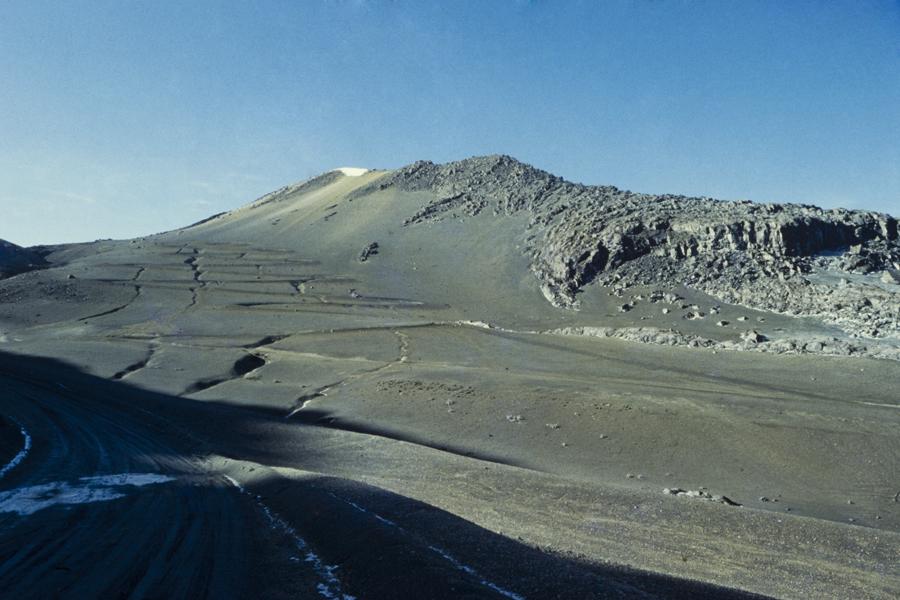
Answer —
474 269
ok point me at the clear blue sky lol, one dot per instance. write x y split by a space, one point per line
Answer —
125 118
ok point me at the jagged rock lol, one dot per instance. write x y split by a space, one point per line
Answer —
700 494
369 250
753 336
672 298
891 276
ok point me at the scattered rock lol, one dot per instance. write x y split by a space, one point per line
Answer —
753 337
368 251
700 494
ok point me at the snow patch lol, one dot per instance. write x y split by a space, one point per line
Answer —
101 488
130 479
352 171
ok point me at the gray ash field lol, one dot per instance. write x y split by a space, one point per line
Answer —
471 380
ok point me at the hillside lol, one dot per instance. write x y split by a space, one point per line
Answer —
580 243
464 380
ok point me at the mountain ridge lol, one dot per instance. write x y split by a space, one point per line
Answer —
740 251
15 259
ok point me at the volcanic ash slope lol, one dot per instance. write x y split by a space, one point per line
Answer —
665 263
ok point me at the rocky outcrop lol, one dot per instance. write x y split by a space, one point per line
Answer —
760 255
750 341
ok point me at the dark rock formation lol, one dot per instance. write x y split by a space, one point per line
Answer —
368 251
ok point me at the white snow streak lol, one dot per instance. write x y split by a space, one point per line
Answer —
440 552
470 571
365 510
18 458
329 586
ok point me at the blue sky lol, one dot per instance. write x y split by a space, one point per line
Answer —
125 118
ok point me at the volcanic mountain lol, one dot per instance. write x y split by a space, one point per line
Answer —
472 379
450 228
